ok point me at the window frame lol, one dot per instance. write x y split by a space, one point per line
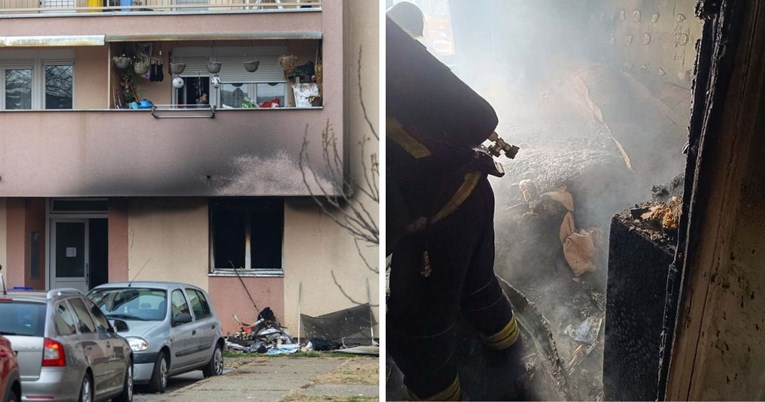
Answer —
44 63
75 311
67 310
252 93
248 270
194 294
37 61
173 316
17 66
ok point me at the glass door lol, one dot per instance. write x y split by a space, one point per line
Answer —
69 257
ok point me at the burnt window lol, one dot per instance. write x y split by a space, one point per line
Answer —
247 234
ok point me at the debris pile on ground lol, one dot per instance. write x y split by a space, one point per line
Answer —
265 335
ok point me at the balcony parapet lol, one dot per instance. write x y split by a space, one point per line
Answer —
94 8
108 153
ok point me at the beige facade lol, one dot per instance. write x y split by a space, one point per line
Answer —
168 240
3 239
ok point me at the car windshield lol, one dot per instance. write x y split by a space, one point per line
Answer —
141 304
22 318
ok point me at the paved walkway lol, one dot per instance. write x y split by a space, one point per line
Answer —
279 378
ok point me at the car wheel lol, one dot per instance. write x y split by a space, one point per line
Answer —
215 366
158 382
13 397
86 390
127 388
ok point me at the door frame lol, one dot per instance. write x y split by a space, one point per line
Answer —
58 216
86 246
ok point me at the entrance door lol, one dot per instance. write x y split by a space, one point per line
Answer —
70 258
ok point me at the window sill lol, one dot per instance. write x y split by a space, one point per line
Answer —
250 273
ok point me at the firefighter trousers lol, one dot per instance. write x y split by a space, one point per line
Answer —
423 307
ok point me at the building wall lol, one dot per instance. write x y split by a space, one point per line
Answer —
21 217
168 240
229 297
314 245
90 78
3 238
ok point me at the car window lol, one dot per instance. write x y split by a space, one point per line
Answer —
64 321
131 303
198 303
101 321
179 303
84 322
22 318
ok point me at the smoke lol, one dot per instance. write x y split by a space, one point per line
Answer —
583 117
278 174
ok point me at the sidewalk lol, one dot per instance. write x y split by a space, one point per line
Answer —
280 378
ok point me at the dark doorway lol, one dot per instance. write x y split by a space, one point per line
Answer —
99 251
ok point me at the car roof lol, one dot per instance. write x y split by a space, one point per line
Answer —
146 284
43 296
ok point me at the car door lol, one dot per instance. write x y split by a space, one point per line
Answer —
117 358
95 350
182 345
204 325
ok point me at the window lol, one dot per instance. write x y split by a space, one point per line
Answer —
132 303
195 91
253 94
178 303
59 81
198 303
64 321
18 88
101 322
34 80
22 318
85 322
247 234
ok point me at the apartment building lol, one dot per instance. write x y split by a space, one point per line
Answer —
162 140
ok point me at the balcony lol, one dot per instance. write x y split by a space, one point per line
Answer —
225 132
16 8
163 20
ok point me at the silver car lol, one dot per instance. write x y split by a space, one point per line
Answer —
66 348
171 327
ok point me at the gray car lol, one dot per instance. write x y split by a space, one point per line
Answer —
171 327
66 348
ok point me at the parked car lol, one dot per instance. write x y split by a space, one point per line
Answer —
10 382
66 348
171 327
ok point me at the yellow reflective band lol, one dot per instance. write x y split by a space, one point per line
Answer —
467 187
506 337
396 132
452 393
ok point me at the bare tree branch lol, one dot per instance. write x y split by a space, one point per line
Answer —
366 262
339 197
361 99
347 296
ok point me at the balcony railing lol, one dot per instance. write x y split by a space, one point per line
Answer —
21 7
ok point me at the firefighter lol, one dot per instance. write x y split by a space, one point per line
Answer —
440 211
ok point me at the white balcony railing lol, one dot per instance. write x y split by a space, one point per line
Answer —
26 7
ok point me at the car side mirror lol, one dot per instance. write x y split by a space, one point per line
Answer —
181 318
120 326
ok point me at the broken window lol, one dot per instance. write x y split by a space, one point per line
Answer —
247 234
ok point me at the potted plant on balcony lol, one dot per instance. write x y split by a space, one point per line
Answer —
128 88
121 62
